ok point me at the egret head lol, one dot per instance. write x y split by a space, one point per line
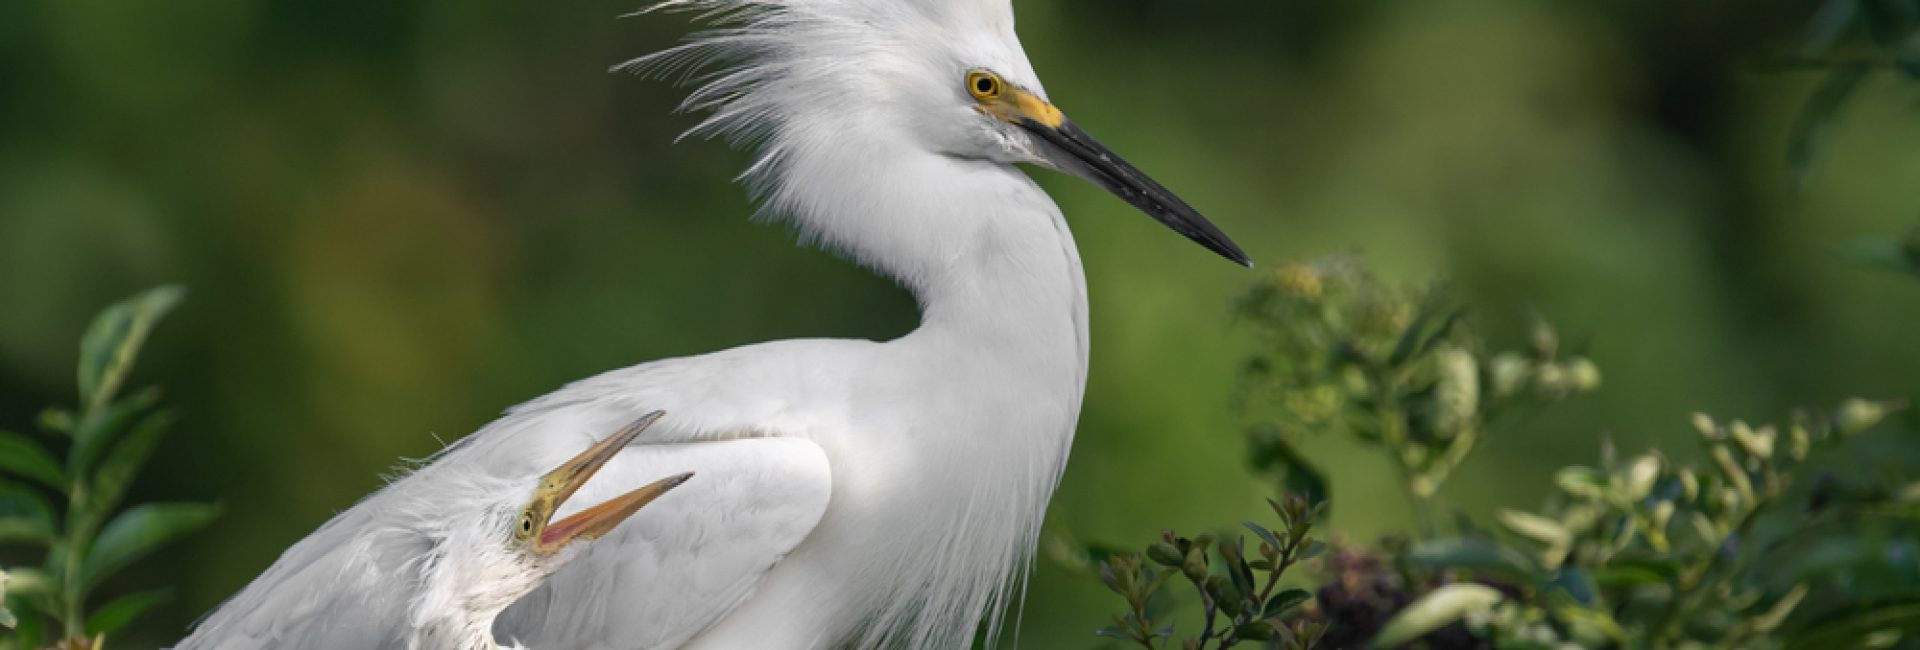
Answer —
540 539
1032 130
820 84
486 560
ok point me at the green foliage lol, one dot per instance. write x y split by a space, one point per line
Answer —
1761 544
1650 553
1236 590
86 537
1847 41
1395 368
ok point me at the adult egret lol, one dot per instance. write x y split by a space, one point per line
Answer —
901 483
430 560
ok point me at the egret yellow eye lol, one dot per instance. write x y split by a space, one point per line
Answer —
983 85
526 526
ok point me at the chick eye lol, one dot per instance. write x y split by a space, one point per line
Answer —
983 85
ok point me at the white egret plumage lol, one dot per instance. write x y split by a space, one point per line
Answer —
853 493
431 560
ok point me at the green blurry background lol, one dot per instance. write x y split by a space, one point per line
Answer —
398 218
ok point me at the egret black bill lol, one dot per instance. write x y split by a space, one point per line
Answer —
1116 175
1087 157
589 524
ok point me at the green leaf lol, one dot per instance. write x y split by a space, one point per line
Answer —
1829 22
1534 527
116 471
29 590
1255 631
112 342
25 517
118 612
1473 553
27 635
1283 601
21 456
1265 535
137 532
1844 627
1628 573
56 420
1578 584
1438 609
1811 128
1583 482
101 428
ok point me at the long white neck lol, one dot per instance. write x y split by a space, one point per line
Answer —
988 387
469 577
955 434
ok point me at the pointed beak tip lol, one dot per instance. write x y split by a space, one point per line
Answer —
1087 158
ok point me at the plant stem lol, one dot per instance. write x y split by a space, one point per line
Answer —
1207 604
1693 587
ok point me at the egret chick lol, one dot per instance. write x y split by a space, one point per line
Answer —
478 547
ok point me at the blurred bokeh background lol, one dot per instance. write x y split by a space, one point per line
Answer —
398 218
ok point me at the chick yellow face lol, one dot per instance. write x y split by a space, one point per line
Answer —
535 529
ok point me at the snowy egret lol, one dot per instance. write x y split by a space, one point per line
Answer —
894 490
429 561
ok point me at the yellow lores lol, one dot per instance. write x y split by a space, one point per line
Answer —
1009 103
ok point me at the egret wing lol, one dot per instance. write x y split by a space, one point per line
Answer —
334 589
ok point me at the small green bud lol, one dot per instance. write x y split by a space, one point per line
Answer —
1583 482
1728 499
1705 528
1546 342
1581 518
1641 476
1423 486
1508 371
1550 381
1195 565
1230 551
1758 444
1704 424
1584 374
1534 527
1224 595
1165 554
1689 484
1439 608
1857 415
1735 474
1799 441
1662 513
1456 393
